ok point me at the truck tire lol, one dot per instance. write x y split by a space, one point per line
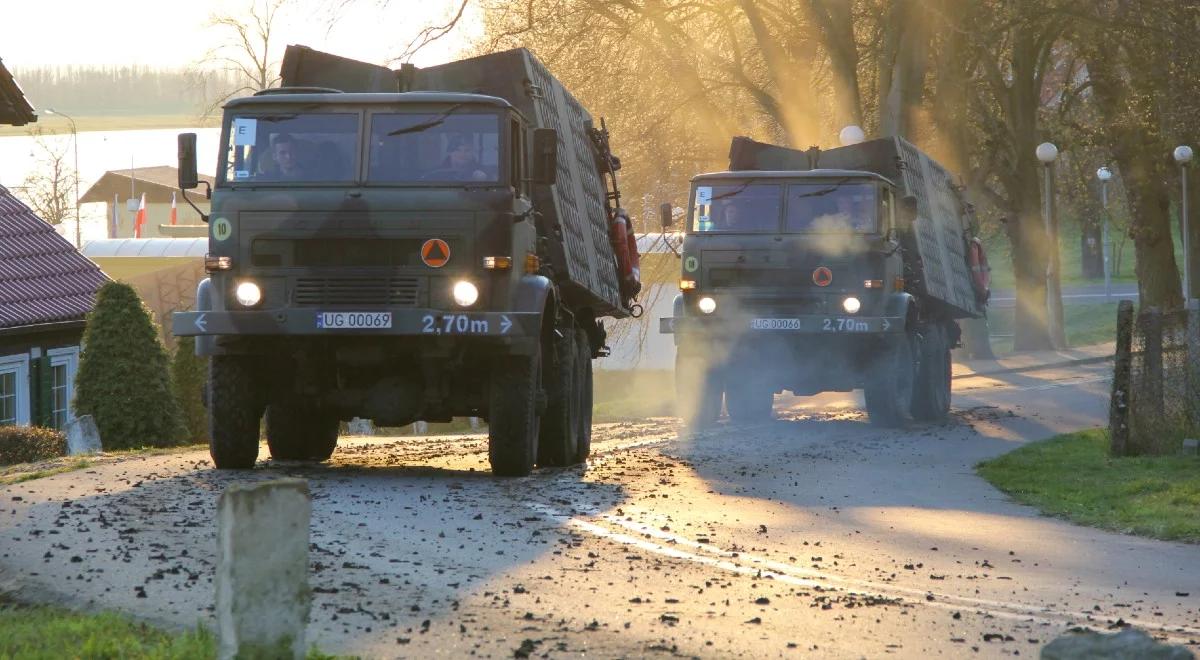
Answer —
515 389
235 408
889 389
583 367
931 392
698 391
299 431
752 401
558 436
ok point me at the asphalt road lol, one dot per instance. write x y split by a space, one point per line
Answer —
1076 294
816 535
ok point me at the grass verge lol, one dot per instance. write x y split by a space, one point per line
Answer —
1072 477
39 632
1085 324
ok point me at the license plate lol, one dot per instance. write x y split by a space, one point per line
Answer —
354 320
775 324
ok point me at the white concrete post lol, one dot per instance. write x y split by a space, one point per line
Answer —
263 597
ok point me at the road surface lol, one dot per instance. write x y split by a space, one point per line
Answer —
816 535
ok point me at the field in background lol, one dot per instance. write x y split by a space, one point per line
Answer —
60 126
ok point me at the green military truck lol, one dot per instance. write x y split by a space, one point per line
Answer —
816 271
406 245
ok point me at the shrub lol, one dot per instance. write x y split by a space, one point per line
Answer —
188 373
123 381
25 444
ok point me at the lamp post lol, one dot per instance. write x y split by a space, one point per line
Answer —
1104 174
75 142
1047 153
1183 156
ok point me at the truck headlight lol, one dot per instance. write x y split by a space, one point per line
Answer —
248 294
851 305
707 305
465 293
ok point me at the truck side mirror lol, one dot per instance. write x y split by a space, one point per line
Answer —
545 156
665 215
187 162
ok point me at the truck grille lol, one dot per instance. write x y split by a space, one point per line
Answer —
342 291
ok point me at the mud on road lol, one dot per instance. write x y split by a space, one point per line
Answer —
814 535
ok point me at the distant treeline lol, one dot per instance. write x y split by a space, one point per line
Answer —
121 90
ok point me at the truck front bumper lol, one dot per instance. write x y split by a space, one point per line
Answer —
402 322
844 325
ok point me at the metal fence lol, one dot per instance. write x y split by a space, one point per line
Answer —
1155 401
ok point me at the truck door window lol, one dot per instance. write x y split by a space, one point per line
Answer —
832 207
284 147
452 145
737 208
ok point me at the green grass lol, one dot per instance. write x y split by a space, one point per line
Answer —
1072 477
17 474
1085 324
37 632
999 253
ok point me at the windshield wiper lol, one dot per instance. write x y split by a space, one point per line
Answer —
733 192
825 191
417 128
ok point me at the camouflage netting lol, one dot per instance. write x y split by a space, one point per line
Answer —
1163 383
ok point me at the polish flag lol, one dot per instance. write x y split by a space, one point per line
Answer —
174 211
140 218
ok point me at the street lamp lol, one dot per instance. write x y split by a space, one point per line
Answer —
1105 174
1183 156
1047 153
75 142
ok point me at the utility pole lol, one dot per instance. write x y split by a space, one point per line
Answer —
1104 174
1047 153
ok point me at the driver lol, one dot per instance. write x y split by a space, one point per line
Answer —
461 161
287 164
731 219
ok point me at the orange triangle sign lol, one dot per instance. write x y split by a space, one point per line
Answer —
435 253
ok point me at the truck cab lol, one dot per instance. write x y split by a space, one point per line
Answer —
796 280
376 255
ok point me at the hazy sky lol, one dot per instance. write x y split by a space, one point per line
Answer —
173 33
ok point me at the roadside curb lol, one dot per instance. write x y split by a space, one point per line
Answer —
1034 367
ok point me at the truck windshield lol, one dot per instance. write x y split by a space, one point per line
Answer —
832 207
288 147
737 208
447 146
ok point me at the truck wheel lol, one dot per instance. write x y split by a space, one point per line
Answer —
750 402
583 368
889 390
513 414
235 408
931 392
298 431
698 391
559 433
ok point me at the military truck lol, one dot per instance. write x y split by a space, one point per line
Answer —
407 245
815 271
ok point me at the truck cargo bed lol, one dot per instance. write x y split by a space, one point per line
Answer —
944 220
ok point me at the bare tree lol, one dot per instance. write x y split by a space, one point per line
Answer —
50 188
245 51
